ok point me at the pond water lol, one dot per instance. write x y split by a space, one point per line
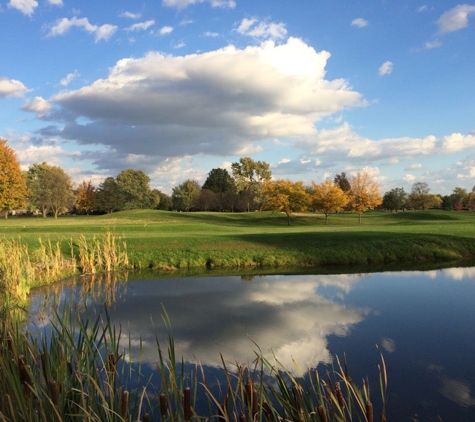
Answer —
424 323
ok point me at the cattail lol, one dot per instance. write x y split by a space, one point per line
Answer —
242 418
268 411
124 404
339 396
369 411
54 393
163 406
146 418
187 403
322 414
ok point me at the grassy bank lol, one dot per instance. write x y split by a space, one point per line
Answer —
168 240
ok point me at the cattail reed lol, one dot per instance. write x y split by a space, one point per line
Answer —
124 404
369 411
54 393
163 406
187 403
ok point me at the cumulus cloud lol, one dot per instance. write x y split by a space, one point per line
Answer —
69 78
141 26
456 18
103 32
181 4
261 29
432 44
166 30
37 105
386 68
359 22
220 102
130 15
26 7
11 88
56 2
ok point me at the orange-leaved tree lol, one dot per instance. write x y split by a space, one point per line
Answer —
13 189
86 197
328 197
286 196
365 192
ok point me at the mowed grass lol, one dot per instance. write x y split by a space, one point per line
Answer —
168 240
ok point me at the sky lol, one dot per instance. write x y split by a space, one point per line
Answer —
178 87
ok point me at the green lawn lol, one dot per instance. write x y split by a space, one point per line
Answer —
160 239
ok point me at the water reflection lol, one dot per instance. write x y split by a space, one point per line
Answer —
422 320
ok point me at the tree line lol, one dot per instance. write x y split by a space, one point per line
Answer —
45 189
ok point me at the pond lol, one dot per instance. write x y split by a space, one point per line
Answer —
424 322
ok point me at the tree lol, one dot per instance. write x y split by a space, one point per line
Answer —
13 188
86 197
342 181
109 196
364 193
51 187
469 200
135 187
219 181
249 175
184 196
328 197
207 200
395 199
165 201
421 198
286 196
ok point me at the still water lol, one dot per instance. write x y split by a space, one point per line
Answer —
423 321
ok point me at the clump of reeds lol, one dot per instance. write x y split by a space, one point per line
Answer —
78 372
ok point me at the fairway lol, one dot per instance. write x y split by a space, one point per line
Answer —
161 239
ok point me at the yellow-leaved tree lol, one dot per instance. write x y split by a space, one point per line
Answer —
328 197
286 196
365 193
13 190
86 197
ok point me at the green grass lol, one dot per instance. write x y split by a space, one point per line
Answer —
168 240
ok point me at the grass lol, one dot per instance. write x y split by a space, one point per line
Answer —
170 240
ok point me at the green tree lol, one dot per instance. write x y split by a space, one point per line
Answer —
13 188
219 180
109 196
51 189
86 197
185 195
421 198
135 187
395 199
328 197
285 196
165 201
364 193
342 181
250 175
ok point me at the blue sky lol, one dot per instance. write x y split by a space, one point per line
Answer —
178 87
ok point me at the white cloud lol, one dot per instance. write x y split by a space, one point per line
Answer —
261 29
359 22
69 78
423 8
211 34
432 44
37 105
456 18
141 26
181 4
52 154
166 30
221 102
62 26
26 7
56 2
130 15
409 178
11 88
386 68
414 166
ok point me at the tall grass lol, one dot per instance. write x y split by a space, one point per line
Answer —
78 372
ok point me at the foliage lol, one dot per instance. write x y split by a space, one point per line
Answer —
51 189
286 196
342 181
219 180
364 193
395 199
328 197
249 175
86 197
185 195
13 188
109 196
165 201
135 187
421 198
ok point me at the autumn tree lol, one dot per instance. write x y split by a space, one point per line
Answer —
328 197
364 193
51 189
185 195
109 196
421 198
395 199
86 197
13 188
342 181
135 187
285 196
250 175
